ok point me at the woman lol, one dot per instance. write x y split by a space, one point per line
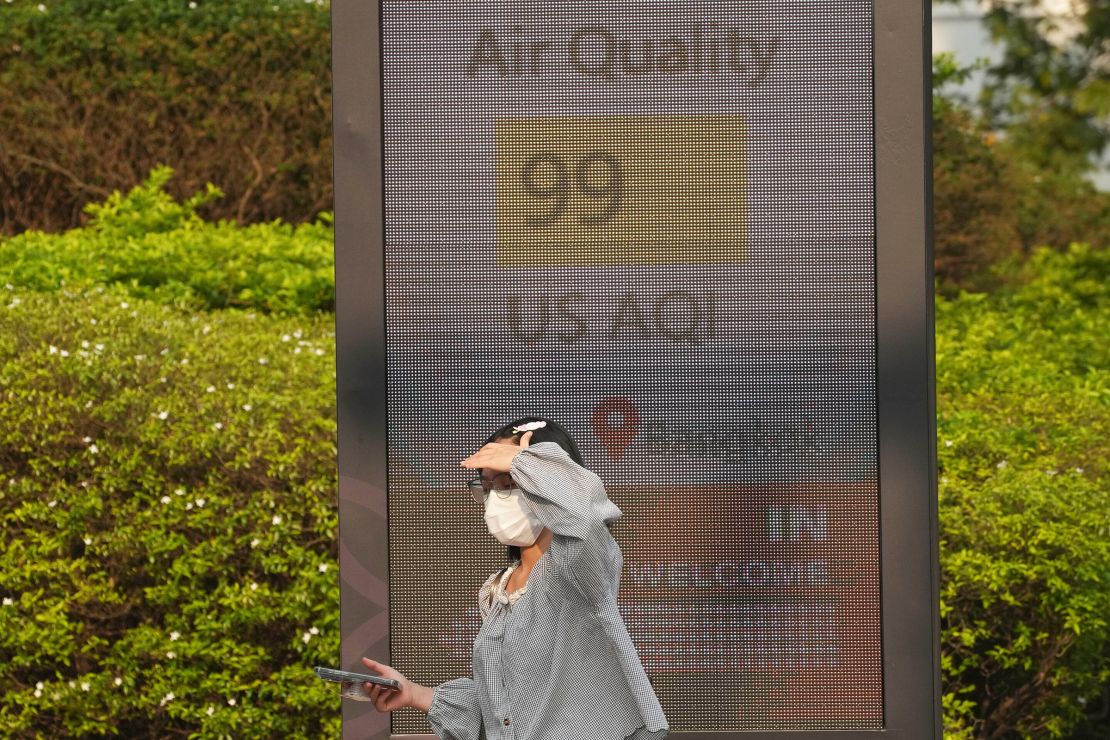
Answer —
553 660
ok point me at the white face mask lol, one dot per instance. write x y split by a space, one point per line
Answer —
510 520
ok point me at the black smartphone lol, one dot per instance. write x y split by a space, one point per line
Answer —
351 684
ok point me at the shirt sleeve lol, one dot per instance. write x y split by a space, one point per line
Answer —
455 713
571 502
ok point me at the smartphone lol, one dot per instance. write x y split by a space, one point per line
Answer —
352 684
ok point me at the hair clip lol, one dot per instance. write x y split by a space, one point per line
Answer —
530 426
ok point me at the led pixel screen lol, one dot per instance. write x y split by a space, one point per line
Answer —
653 222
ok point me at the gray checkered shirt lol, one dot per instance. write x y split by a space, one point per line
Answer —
559 664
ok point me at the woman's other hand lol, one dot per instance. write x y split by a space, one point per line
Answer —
496 456
387 699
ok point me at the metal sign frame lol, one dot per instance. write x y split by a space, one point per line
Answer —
905 367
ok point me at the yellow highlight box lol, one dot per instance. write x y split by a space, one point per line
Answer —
619 190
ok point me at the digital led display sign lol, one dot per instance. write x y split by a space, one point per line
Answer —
654 222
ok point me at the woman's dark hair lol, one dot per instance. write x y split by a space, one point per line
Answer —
552 432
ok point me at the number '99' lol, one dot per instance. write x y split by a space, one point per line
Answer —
597 177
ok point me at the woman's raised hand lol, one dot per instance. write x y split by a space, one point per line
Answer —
496 456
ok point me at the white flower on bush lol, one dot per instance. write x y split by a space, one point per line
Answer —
276 520
947 443
179 491
231 386
262 360
306 637
93 449
123 304
247 407
86 440
87 541
98 347
211 389
210 711
8 601
285 337
254 586
1002 464
323 568
163 414
85 343
189 506
84 685
63 353
168 697
297 333
38 692
231 702
255 542
118 681
175 635
170 655
218 426
200 503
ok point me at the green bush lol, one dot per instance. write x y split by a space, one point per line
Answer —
991 205
94 93
1023 385
168 503
159 249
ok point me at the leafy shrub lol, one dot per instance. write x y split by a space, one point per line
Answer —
991 206
974 222
157 248
167 497
94 93
1023 384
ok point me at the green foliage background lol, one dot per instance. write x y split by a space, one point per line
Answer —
1023 396
167 482
94 93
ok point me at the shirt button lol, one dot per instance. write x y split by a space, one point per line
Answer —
506 721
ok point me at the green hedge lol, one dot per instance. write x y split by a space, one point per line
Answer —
157 248
1023 384
94 93
990 204
168 498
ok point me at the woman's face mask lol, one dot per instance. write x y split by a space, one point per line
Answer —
510 519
